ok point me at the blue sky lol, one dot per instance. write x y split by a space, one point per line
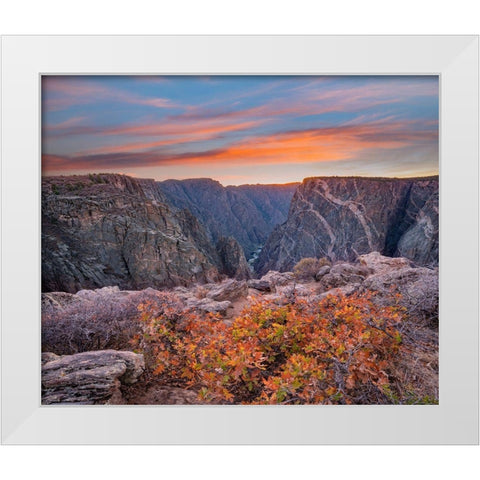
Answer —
240 129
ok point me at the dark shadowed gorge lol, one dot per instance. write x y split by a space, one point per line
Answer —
101 230
247 213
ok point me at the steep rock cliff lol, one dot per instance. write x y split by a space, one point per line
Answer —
111 229
233 259
343 217
247 213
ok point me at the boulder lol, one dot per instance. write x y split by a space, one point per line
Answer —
418 288
276 278
344 274
294 290
346 290
323 271
260 285
208 305
90 377
58 300
234 263
228 290
378 263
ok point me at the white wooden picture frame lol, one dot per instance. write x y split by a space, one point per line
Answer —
453 58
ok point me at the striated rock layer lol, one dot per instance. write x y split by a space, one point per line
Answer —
247 213
111 229
343 217
90 377
233 259
108 229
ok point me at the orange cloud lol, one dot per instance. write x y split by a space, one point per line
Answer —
315 145
188 136
304 146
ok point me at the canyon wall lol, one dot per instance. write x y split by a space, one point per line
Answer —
343 217
100 230
247 213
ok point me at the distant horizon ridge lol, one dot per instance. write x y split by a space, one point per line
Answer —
434 176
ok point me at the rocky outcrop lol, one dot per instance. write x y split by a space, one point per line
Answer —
418 286
113 230
343 274
71 323
233 259
108 229
343 217
383 276
276 278
207 305
88 378
260 285
228 290
247 213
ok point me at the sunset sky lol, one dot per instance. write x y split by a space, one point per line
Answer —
240 129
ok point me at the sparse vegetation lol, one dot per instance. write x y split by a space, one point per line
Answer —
95 178
107 322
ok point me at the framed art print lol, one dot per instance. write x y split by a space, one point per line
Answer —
233 239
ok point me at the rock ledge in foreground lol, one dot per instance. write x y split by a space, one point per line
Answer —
88 378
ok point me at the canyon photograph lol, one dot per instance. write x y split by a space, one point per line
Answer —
240 240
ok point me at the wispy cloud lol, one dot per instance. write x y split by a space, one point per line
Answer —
176 137
302 146
270 122
60 93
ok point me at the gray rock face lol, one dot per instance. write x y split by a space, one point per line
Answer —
276 278
90 377
260 285
420 241
378 263
247 213
344 274
321 272
228 290
341 218
234 263
418 286
386 276
208 305
110 231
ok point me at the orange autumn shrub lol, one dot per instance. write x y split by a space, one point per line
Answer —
337 351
